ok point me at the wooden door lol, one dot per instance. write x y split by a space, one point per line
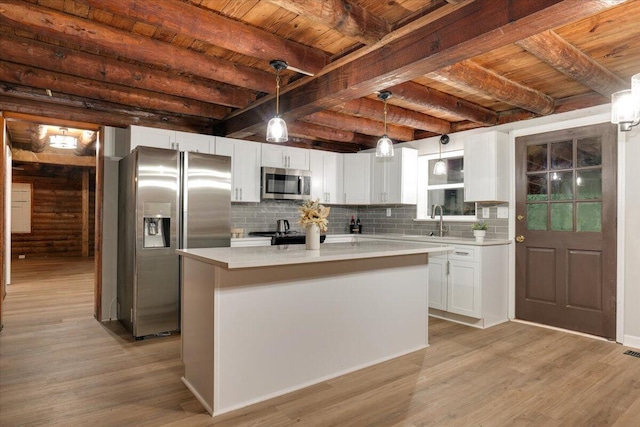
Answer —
566 229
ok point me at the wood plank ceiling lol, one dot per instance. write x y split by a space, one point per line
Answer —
203 65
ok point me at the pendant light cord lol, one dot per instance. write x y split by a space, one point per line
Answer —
277 92
385 116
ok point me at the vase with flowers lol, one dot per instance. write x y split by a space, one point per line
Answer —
313 217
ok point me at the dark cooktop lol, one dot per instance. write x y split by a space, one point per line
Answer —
298 239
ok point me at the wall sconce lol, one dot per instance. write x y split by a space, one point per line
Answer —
440 168
63 141
277 127
384 148
625 106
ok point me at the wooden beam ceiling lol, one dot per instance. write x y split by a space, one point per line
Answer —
483 25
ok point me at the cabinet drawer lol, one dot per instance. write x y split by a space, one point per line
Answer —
468 253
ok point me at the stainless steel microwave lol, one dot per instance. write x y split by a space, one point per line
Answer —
285 184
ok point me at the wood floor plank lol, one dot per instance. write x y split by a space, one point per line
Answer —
60 367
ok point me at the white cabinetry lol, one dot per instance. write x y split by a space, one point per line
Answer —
356 182
170 139
469 285
326 176
394 180
245 167
277 156
486 167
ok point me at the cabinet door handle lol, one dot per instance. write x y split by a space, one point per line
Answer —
447 269
240 193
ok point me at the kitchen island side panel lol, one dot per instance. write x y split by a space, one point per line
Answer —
197 332
278 329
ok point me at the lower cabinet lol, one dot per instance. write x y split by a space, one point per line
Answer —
469 285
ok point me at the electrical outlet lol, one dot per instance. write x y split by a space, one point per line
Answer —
503 212
388 211
485 213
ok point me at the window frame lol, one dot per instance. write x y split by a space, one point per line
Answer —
423 189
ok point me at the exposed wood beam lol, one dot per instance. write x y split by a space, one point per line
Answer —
227 33
86 143
68 61
366 107
563 105
313 131
468 31
63 109
566 58
301 142
52 159
346 17
426 97
63 83
93 35
479 79
38 138
359 124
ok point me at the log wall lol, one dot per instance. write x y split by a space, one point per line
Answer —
57 213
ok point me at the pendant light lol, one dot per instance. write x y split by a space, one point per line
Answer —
384 148
277 127
440 168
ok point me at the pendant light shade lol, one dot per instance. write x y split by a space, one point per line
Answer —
277 127
440 167
384 148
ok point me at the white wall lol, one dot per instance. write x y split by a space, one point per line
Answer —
112 140
631 217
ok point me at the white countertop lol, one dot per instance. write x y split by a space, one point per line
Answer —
264 256
410 238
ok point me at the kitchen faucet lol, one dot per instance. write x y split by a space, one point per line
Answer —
433 216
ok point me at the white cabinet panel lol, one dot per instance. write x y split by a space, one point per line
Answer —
245 167
394 180
438 282
463 295
278 156
486 167
357 178
326 176
469 285
151 137
195 142
170 139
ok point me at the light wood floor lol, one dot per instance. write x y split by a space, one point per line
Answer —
59 367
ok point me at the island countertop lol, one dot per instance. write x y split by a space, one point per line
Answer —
264 256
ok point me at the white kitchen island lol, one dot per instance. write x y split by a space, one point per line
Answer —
258 322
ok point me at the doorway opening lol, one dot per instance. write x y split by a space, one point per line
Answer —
53 195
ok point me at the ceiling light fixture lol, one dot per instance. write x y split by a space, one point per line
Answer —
440 168
66 142
384 148
625 106
277 127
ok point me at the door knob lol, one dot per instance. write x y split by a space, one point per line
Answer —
520 217
520 239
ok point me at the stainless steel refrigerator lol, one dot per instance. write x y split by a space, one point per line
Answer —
167 200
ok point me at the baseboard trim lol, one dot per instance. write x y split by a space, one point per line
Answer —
631 341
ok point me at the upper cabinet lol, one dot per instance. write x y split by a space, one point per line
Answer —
326 176
170 139
278 156
394 180
357 172
245 167
486 167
